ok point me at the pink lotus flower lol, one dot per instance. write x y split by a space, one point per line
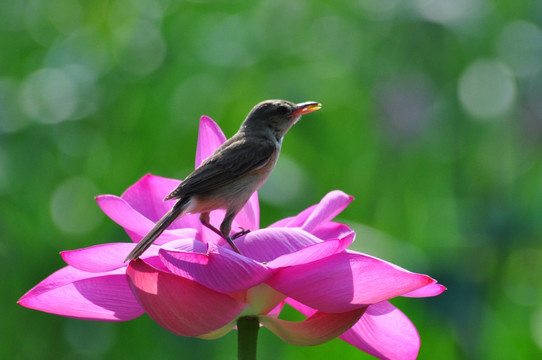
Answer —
191 282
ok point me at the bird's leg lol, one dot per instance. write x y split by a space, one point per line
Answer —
240 233
233 246
225 229
204 218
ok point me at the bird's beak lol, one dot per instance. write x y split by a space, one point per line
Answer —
307 107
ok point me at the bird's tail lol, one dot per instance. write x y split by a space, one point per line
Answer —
176 211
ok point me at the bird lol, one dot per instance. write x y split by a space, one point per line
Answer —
227 179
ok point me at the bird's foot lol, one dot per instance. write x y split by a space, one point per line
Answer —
240 233
233 246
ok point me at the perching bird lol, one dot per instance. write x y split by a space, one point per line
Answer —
228 178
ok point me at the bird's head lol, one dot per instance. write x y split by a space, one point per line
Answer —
276 116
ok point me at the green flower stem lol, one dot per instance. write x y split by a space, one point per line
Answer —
247 337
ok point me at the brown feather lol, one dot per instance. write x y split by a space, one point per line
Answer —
227 164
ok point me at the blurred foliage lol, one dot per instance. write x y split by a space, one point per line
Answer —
432 119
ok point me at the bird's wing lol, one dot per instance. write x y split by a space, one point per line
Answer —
234 160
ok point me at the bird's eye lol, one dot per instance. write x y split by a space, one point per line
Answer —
282 110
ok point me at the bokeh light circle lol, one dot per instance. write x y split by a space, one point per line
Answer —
486 88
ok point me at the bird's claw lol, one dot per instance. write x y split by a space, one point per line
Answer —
240 233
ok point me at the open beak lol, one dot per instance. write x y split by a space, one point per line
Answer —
307 107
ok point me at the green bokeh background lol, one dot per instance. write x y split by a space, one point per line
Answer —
432 119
